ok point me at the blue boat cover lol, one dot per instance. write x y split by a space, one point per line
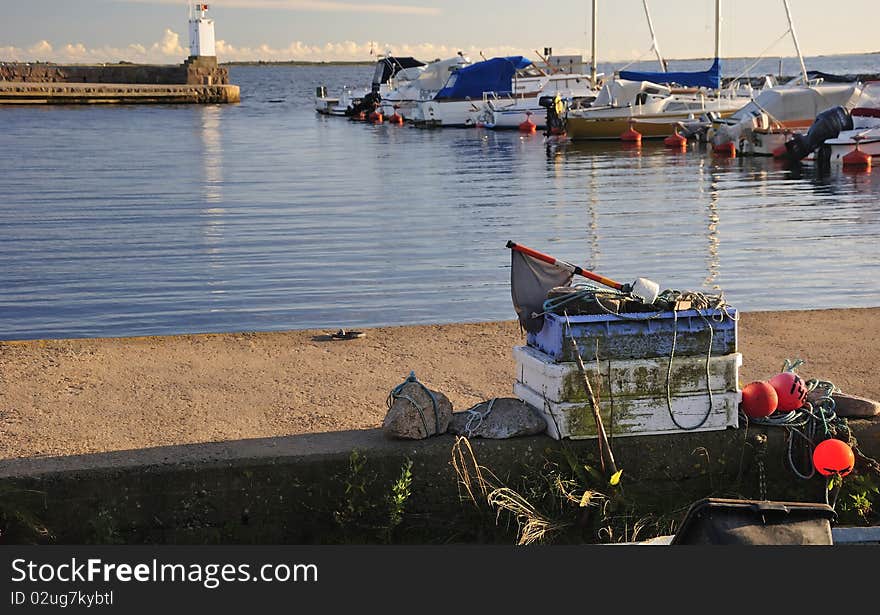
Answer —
492 75
708 79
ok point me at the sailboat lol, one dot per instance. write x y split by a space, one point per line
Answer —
639 100
763 126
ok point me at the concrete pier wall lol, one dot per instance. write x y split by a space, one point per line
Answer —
194 71
314 489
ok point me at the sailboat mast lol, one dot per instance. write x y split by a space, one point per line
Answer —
593 66
717 28
797 46
654 44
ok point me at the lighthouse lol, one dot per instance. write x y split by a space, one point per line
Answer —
201 32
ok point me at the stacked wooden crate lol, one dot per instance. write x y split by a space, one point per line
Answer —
648 372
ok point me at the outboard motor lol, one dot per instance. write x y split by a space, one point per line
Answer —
555 108
827 125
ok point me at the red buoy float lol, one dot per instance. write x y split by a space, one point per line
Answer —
396 118
675 141
376 117
833 456
725 149
759 399
780 152
631 135
790 389
528 126
361 116
857 160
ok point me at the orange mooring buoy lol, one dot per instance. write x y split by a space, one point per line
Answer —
725 149
675 141
833 456
396 118
631 135
376 117
528 126
857 160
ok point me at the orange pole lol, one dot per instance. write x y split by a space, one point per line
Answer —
567 266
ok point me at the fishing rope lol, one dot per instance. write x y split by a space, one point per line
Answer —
476 415
814 420
397 393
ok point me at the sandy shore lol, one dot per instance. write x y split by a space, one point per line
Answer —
61 397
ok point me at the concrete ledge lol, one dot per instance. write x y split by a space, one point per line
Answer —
109 93
308 489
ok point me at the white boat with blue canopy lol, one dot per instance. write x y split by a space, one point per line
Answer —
460 101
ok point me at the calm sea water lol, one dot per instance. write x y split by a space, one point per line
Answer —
137 220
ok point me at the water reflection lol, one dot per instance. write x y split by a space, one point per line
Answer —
263 216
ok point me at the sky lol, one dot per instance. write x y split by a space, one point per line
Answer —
326 30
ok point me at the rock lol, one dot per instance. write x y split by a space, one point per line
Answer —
405 421
502 417
850 406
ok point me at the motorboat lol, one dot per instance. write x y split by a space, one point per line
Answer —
504 82
387 67
511 111
406 93
865 132
773 118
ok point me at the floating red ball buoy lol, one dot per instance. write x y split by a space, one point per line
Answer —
675 141
857 160
361 116
528 126
833 456
790 389
725 149
396 118
631 135
759 399
376 117
780 152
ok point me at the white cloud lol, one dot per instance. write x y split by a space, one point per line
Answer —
320 6
170 50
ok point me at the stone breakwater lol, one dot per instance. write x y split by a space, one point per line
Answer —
195 71
106 93
198 80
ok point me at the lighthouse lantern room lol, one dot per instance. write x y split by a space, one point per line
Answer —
201 31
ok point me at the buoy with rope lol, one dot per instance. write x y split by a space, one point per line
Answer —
396 118
857 160
675 140
725 149
376 117
833 457
528 126
631 135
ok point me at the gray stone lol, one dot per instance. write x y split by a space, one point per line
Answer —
851 406
502 417
412 411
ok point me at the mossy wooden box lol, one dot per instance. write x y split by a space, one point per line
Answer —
638 335
632 394
635 416
562 382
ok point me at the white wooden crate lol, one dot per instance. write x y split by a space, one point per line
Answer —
562 382
634 416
